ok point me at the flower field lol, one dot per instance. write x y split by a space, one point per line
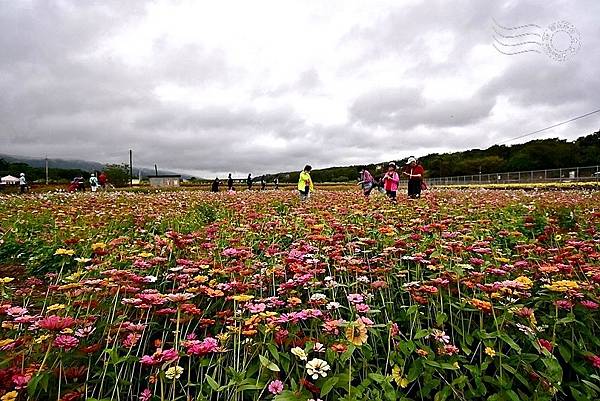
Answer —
462 295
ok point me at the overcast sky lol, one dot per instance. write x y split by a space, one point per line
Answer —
265 86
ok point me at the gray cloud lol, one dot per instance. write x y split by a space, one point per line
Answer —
206 103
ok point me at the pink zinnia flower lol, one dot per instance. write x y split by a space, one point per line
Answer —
276 387
21 381
66 342
56 323
355 298
563 304
594 360
16 311
589 304
145 395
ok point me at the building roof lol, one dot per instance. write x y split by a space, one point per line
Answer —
165 176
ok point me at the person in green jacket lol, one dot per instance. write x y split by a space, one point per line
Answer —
305 184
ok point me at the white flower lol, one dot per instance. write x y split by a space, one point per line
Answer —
318 297
333 305
299 352
174 372
318 347
316 367
363 279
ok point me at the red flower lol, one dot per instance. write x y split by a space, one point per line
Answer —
56 323
546 344
594 360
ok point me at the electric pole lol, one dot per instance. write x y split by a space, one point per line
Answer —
46 169
130 168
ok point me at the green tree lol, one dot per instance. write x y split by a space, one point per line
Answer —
118 174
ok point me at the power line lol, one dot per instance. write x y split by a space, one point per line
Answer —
550 127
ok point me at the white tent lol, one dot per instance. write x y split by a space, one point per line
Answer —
9 179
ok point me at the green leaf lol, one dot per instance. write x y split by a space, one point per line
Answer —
268 364
512 395
273 350
504 337
565 353
212 383
421 333
328 385
376 377
578 395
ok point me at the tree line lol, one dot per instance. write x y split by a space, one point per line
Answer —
538 154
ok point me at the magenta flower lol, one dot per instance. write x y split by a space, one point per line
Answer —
66 342
355 298
145 395
276 387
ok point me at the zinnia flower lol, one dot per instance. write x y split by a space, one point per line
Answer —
66 342
357 333
299 352
56 323
276 387
174 372
316 367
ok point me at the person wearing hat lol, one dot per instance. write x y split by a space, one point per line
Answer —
390 181
414 172
22 183
94 182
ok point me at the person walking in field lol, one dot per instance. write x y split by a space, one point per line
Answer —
414 172
276 182
390 182
263 183
229 182
102 180
93 182
249 181
366 180
215 185
22 183
305 184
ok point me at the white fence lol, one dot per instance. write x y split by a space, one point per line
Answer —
570 174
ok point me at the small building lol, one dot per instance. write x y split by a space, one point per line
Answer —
9 180
166 180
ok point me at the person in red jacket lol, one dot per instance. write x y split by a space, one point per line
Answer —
102 180
414 172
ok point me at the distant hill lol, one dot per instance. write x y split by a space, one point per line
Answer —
533 155
68 164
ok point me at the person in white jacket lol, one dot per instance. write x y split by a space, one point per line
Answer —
94 182
23 183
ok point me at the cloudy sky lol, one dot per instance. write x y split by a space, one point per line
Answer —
265 86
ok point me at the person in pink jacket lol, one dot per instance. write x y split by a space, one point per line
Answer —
390 182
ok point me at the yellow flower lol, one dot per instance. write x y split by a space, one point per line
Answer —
400 380
201 279
356 333
6 280
41 338
63 251
82 260
11 396
54 307
562 285
223 337
6 341
525 282
456 365
502 260
242 298
490 352
98 246
145 255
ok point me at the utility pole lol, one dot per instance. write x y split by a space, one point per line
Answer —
130 168
156 170
46 169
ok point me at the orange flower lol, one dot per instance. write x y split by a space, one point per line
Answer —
357 333
483 306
